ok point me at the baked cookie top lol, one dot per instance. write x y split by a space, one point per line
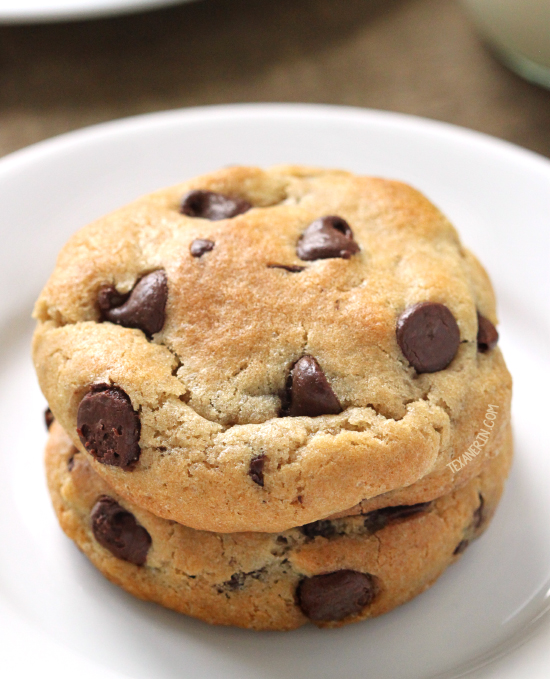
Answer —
256 350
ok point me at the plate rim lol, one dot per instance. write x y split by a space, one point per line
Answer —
15 16
129 124
82 137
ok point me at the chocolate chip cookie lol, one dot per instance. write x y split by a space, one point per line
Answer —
257 350
328 572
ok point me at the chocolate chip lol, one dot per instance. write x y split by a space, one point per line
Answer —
256 469
108 297
109 427
308 392
479 516
327 237
428 336
334 596
201 245
487 334
461 546
143 308
118 531
322 528
238 580
213 206
380 518
291 268
48 418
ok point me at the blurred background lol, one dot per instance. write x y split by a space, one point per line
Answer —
415 56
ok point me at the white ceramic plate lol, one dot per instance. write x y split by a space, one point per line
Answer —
487 614
38 11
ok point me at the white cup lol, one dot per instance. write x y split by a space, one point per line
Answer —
519 31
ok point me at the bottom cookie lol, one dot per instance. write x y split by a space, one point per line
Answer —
328 572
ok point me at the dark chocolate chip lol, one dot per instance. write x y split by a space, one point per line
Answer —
487 335
380 518
256 469
109 427
322 528
428 336
48 418
479 515
461 546
143 308
291 268
334 596
108 297
118 531
201 245
238 580
212 206
325 238
308 392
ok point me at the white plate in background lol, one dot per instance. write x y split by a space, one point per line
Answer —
486 615
39 11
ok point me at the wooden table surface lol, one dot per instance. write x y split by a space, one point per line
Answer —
415 56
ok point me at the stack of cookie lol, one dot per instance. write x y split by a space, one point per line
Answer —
277 396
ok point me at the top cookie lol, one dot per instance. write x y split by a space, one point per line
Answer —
256 350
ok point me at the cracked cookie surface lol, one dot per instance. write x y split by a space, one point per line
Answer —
300 266
329 572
